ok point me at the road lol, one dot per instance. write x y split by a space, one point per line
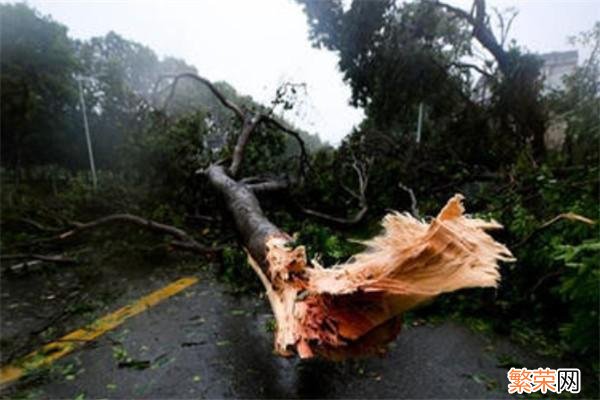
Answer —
208 342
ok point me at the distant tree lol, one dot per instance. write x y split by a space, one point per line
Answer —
119 75
578 103
398 56
123 82
39 92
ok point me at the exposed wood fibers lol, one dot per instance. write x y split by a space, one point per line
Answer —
355 308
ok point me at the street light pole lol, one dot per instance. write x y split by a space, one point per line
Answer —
87 134
420 123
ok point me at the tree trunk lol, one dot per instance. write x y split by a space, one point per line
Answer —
355 308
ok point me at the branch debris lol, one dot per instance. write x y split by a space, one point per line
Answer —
183 239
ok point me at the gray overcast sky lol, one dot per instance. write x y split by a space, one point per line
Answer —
257 44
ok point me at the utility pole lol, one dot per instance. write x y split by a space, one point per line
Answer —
420 122
87 133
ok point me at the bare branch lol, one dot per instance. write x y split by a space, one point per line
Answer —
351 192
361 169
227 103
249 125
304 160
184 240
40 257
268 186
570 216
505 22
413 199
355 219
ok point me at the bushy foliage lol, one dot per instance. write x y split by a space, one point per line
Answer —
325 245
37 66
579 289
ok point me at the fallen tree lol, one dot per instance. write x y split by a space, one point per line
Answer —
353 308
350 309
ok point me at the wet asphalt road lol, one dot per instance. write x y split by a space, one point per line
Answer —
208 343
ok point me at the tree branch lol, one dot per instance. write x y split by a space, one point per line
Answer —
227 103
481 30
252 225
569 216
355 219
413 199
471 66
249 124
40 257
184 240
361 169
304 160
505 24
268 186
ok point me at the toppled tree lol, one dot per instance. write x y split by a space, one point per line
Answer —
349 309
353 308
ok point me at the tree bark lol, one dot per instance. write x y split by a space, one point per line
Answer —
252 225
355 308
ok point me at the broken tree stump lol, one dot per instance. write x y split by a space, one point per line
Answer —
355 308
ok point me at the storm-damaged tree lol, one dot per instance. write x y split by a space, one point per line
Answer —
353 308
348 309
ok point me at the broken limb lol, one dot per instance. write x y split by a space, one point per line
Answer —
354 308
29 260
182 239
250 121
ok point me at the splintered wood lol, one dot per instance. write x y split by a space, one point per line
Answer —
354 308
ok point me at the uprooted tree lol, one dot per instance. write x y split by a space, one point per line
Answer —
349 309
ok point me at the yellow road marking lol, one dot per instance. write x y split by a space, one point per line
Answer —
63 346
